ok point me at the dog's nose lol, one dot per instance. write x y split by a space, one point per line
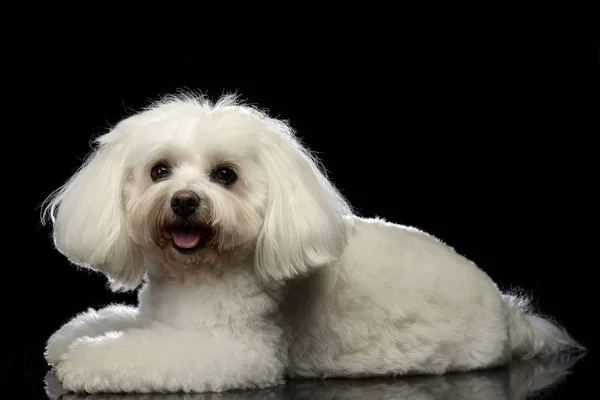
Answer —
184 203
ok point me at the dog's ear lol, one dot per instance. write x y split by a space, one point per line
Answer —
305 222
88 218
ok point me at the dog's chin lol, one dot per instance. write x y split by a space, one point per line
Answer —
188 238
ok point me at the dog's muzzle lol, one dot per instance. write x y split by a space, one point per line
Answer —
187 233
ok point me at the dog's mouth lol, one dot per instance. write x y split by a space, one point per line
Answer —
188 238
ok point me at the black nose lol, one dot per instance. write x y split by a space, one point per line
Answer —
184 203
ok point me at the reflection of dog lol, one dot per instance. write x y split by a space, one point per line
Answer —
524 379
255 268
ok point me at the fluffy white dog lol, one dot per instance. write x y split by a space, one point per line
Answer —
255 269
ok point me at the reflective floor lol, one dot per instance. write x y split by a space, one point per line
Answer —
522 380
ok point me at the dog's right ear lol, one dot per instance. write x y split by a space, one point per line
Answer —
88 217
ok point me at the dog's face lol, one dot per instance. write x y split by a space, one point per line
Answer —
196 192
190 184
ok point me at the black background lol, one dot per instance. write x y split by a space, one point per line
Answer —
469 137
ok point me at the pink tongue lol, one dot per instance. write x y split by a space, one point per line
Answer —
186 238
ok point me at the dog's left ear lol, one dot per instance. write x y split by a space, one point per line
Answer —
305 224
88 217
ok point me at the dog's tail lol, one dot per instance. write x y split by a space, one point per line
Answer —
533 335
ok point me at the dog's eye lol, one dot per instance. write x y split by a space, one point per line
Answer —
225 175
160 171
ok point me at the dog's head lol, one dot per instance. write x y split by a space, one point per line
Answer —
188 183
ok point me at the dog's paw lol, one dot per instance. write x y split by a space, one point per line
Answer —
79 370
57 346
79 378
88 367
98 365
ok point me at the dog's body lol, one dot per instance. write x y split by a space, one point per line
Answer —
283 281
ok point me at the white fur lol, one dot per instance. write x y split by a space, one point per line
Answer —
294 284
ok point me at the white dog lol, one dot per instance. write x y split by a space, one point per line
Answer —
255 269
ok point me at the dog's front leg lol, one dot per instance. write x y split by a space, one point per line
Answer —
114 318
161 359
